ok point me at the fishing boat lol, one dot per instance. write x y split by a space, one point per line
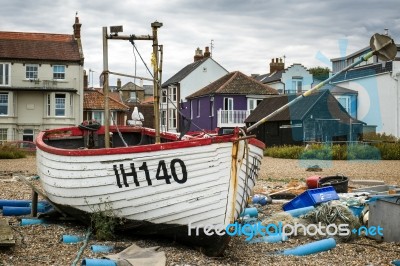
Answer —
197 180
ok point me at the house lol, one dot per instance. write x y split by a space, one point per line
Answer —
41 82
226 102
317 117
377 86
188 80
294 79
93 107
132 93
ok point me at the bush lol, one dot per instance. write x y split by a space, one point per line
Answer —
11 152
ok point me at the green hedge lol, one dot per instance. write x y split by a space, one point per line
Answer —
10 152
374 151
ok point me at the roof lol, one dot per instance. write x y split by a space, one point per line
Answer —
337 90
39 46
299 110
270 77
364 71
184 72
235 83
94 99
130 86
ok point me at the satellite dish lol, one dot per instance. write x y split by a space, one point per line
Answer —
383 46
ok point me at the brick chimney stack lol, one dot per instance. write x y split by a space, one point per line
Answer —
207 52
198 54
276 65
77 28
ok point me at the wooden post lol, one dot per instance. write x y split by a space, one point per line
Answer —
34 203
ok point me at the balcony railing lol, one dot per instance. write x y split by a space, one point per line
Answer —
232 118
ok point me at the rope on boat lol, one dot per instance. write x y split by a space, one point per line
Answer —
246 179
119 132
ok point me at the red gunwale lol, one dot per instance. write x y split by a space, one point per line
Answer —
175 144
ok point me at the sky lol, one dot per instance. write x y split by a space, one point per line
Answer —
244 34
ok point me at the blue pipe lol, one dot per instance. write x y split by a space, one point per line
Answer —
101 248
32 221
14 203
70 239
98 262
300 211
311 248
252 212
269 239
15 211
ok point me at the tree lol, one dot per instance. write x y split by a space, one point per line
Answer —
320 73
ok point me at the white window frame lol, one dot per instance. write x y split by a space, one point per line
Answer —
3 135
5 74
60 104
5 102
98 116
59 72
345 102
252 103
31 71
163 118
172 119
164 96
172 93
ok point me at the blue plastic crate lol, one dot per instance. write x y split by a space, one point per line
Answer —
311 197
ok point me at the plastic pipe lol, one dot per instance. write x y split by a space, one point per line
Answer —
300 211
311 248
32 221
14 203
70 239
269 239
252 212
98 262
101 248
15 211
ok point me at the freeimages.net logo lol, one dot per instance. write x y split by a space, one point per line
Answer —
284 230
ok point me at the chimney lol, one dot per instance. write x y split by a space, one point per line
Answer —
198 54
207 52
85 80
77 28
276 65
118 84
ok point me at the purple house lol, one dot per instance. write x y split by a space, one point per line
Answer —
226 102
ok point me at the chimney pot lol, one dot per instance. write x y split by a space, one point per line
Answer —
207 52
198 54
77 28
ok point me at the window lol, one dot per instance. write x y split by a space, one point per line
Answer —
4 74
228 104
98 116
3 104
172 119
163 118
345 102
297 85
172 94
60 105
3 135
164 96
252 104
28 135
31 71
48 105
58 72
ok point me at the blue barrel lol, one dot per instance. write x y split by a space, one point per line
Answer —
101 248
70 239
16 211
98 262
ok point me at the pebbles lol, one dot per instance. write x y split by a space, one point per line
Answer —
41 245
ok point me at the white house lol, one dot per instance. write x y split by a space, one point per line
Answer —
185 82
294 79
41 82
378 90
